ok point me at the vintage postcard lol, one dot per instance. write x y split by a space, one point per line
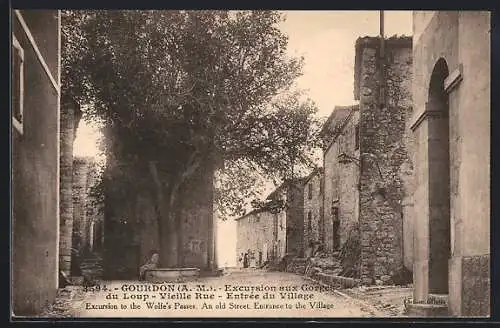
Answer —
250 164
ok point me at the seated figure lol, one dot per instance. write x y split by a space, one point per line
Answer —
151 263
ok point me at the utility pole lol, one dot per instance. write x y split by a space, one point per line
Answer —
382 60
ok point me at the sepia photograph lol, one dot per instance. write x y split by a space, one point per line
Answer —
250 164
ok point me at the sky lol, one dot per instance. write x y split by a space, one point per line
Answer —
326 39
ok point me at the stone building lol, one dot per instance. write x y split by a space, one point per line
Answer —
383 75
131 226
70 118
341 195
263 234
291 192
313 207
35 159
87 233
451 129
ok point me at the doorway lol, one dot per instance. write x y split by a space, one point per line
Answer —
439 180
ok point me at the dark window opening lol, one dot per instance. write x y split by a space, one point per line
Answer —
356 137
309 221
310 191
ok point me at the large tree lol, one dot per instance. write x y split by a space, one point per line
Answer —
207 86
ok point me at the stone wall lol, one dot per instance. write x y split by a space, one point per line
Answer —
313 208
384 155
35 166
258 232
197 215
70 117
80 218
295 219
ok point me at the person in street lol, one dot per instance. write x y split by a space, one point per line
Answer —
240 259
151 263
245 260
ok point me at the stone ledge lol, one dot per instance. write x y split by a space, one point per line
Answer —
338 281
171 274
426 310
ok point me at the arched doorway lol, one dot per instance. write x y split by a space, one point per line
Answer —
439 180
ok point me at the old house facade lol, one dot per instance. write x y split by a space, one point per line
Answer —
313 207
35 72
450 124
291 192
279 227
341 194
383 75
261 234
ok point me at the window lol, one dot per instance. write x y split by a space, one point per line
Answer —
17 76
321 186
310 191
334 211
309 221
356 137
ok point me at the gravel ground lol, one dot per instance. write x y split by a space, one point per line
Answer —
387 299
63 306
76 303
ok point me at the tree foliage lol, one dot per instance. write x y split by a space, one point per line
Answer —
178 89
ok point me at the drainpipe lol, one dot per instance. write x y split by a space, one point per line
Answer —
382 60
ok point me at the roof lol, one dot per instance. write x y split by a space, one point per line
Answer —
393 42
252 212
336 123
316 171
298 182
336 119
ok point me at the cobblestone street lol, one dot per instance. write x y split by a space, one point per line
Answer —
314 302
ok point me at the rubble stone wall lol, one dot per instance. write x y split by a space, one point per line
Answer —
386 163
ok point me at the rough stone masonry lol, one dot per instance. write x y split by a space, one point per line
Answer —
384 156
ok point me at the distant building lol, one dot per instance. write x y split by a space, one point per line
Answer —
35 158
451 128
313 207
275 234
291 192
261 235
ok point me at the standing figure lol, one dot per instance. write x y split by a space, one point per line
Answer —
151 263
245 260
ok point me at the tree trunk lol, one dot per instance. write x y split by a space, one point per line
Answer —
169 216
164 221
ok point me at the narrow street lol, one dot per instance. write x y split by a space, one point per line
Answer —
237 294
